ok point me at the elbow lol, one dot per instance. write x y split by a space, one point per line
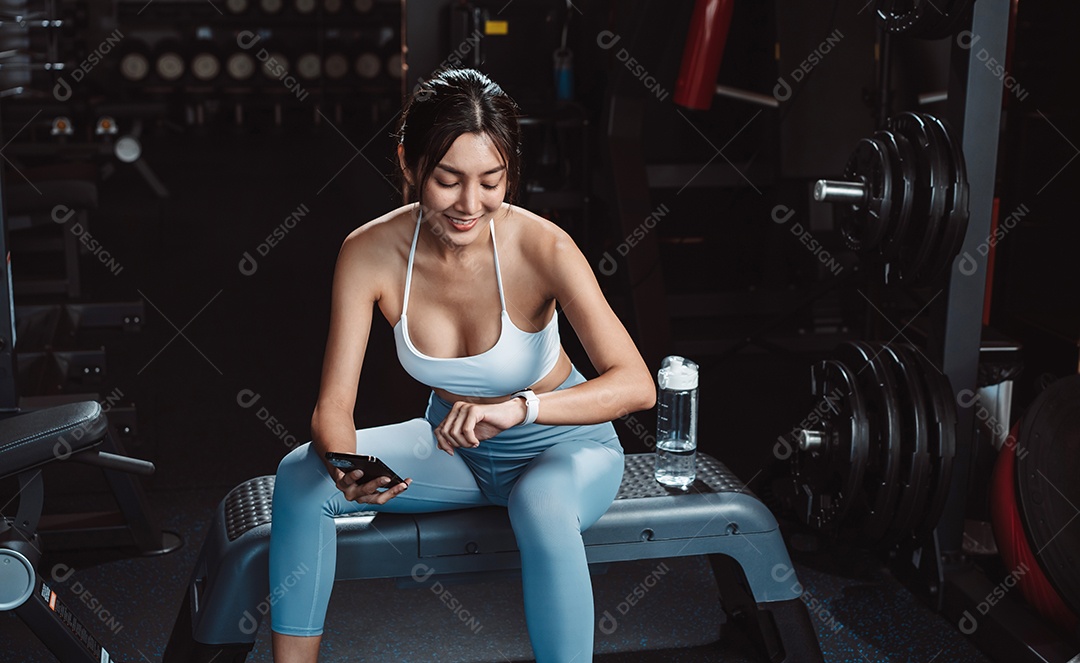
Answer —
646 396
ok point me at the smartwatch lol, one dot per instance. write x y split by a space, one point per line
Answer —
532 405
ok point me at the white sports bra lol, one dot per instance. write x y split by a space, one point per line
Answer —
518 359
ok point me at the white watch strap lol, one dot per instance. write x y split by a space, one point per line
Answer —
532 405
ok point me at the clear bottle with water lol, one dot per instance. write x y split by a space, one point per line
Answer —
676 422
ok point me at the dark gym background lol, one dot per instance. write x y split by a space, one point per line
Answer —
217 379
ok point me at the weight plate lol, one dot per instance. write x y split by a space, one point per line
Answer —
904 180
914 443
942 441
931 189
954 226
862 226
828 473
874 509
1047 465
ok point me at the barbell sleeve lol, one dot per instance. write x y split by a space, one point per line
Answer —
834 191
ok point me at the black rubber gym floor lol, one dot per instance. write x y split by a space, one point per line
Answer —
265 332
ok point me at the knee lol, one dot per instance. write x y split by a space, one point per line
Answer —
293 461
300 472
543 514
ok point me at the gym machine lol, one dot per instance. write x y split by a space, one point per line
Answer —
77 432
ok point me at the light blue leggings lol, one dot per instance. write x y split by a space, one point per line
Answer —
556 481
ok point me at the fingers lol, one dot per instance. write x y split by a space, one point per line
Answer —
458 428
346 480
369 492
443 444
386 495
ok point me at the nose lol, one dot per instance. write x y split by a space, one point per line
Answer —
469 199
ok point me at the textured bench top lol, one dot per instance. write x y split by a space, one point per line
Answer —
249 505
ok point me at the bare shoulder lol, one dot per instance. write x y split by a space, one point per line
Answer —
386 228
539 240
379 240
374 248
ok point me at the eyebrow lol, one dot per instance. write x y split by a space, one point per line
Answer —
455 171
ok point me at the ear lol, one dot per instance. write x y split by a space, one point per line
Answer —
404 168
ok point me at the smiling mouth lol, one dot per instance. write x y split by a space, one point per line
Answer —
462 222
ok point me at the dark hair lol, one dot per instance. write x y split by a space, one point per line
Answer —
451 103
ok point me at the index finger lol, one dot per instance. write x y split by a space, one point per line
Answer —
350 478
394 491
470 429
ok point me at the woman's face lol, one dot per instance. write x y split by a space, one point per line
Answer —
465 189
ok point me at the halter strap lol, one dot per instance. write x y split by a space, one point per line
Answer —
412 254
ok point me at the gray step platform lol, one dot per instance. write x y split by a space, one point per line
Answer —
717 517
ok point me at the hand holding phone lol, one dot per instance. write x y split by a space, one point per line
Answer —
372 467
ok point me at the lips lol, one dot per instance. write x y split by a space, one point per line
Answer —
461 224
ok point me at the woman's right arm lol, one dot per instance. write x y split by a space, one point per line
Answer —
356 289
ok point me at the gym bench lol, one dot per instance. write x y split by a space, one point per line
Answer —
717 517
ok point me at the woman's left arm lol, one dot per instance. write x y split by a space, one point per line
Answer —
624 384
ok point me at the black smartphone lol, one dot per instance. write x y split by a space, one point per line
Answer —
372 467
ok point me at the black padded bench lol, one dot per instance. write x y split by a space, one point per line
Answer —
717 517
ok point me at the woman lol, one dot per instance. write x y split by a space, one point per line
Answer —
474 318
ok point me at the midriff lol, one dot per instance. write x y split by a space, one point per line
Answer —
549 382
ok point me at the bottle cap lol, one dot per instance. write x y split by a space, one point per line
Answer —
677 373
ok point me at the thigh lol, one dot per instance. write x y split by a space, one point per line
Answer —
439 481
583 475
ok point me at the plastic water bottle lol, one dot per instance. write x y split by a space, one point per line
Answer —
676 422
